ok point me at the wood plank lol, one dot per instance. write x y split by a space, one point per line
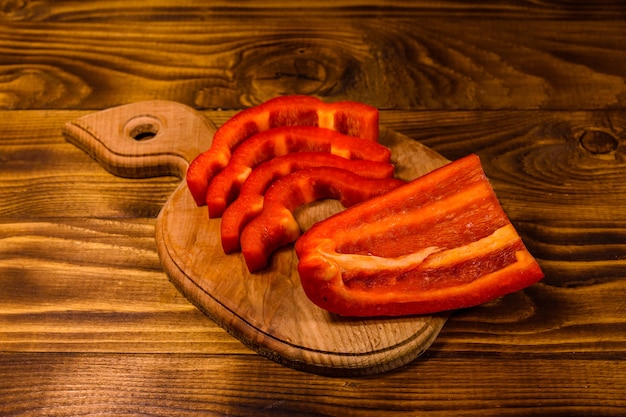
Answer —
69 10
389 62
529 156
177 385
97 286
85 305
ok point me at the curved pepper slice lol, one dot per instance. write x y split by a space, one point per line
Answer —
281 141
348 117
275 226
438 243
249 203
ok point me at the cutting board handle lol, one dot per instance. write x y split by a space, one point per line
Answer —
144 139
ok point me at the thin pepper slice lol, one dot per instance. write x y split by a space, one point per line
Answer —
249 203
347 117
275 225
440 242
279 141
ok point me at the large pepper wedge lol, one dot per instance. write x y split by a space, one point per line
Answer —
279 141
249 203
440 242
348 117
275 225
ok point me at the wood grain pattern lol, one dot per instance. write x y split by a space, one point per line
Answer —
184 385
418 63
68 10
522 83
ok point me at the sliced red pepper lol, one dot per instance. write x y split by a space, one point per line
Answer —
275 226
279 141
249 203
348 117
440 242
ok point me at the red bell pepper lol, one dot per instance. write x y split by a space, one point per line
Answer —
348 117
440 242
279 141
275 225
249 203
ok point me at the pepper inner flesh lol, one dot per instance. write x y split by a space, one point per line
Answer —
454 241
432 267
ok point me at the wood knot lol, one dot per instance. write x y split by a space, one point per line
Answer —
598 142
291 67
39 86
14 10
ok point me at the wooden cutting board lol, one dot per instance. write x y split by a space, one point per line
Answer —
268 311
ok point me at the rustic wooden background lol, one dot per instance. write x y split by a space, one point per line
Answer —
89 323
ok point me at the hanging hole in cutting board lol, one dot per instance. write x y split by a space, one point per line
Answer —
143 128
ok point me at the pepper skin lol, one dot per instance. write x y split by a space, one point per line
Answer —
279 141
347 117
440 242
275 225
249 203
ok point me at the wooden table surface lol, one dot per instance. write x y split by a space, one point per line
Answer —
90 323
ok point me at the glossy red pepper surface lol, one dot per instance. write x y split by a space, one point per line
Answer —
281 141
275 225
438 243
249 203
348 117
